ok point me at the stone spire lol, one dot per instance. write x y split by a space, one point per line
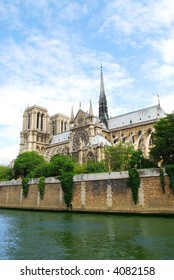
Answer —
102 89
72 115
103 109
90 109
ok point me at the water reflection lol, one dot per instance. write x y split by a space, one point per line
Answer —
47 235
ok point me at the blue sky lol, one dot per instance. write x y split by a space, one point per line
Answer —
51 52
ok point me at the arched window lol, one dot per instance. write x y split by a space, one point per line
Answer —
149 131
41 123
90 156
141 143
53 127
61 126
29 121
37 120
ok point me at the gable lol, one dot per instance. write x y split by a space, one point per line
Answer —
80 118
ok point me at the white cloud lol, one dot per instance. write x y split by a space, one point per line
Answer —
166 101
51 51
165 48
138 16
8 153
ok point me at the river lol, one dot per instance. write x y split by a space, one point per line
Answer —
31 235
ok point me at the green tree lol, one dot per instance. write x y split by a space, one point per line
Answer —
118 157
6 173
63 167
26 162
136 160
43 170
163 140
96 167
61 164
80 168
90 167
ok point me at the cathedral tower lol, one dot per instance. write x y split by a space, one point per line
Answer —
35 133
103 109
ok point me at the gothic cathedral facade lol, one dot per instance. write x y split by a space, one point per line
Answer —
84 135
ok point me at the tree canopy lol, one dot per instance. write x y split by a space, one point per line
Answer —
90 167
26 162
6 173
121 157
61 164
163 140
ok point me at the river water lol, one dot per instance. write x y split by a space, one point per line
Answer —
31 235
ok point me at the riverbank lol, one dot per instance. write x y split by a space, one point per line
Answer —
98 193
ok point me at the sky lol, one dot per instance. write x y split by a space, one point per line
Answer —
51 52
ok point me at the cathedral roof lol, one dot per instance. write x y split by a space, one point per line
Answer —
61 137
100 139
136 117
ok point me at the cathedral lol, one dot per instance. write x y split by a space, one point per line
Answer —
84 135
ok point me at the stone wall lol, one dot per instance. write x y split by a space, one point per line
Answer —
11 195
109 192
106 192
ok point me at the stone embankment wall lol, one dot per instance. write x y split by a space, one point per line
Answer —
11 195
111 193
106 192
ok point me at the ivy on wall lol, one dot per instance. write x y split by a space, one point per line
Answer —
41 186
67 186
170 173
162 180
134 183
25 186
